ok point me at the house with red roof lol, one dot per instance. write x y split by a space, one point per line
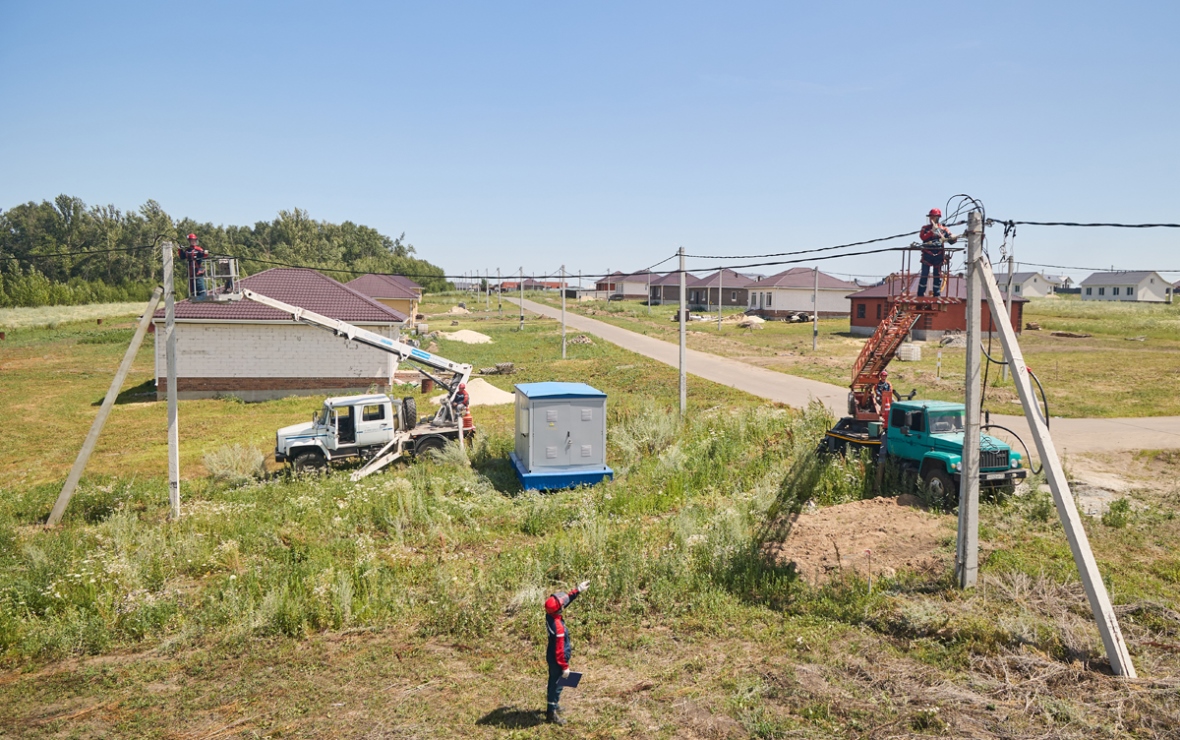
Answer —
394 291
254 352
793 290
870 305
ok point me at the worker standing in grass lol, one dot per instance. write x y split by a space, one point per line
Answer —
195 255
934 237
558 651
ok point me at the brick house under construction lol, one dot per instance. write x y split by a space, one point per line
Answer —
869 306
256 353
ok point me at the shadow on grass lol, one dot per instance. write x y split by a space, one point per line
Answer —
512 718
144 392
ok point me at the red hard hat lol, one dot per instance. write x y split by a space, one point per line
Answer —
462 385
884 373
192 236
935 212
556 602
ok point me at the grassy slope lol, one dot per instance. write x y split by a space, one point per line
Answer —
1102 376
407 605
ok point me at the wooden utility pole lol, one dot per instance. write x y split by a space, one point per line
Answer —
683 339
170 360
563 312
815 313
967 552
67 491
1067 510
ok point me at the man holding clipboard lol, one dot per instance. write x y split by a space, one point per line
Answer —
558 651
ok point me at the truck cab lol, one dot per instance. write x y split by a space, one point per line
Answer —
345 426
926 437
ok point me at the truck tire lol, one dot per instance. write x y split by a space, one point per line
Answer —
851 404
424 445
940 487
308 461
409 413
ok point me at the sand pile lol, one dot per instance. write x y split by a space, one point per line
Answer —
458 309
466 336
482 393
879 536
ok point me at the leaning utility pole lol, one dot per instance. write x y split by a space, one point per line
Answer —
967 552
67 491
563 312
815 313
683 340
170 360
1067 510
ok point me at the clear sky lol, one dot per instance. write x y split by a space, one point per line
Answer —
605 135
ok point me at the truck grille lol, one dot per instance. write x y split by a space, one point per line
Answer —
993 459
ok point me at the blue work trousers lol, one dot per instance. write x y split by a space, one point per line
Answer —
937 278
553 695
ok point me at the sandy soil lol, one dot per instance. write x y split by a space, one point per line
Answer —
466 336
482 393
877 536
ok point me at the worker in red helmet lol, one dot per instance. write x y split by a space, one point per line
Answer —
934 238
558 651
461 402
883 390
195 255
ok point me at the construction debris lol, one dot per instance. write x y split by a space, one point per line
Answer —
1069 335
501 368
482 393
466 336
581 339
953 340
1032 326
460 309
909 352
1136 339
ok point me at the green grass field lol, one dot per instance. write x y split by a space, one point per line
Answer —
1128 367
408 605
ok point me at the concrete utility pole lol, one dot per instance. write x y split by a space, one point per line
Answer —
521 327
67 491
815 313
563 312
170 359
499 293
648 292
683 339
720 295
1079 544
487 289
967 553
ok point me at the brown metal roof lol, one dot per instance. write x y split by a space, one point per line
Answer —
382 286
730 279
803 277
673 278
298 286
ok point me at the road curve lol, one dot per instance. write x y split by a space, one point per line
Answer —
1069 435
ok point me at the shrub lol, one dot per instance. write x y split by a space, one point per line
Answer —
236 464
1118 514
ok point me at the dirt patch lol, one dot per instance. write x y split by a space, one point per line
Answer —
877 536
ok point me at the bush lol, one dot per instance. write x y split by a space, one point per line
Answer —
1118 514
236 464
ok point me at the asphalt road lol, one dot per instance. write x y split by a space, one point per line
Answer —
1069 435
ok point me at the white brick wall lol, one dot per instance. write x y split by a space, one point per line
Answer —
799 299
208 350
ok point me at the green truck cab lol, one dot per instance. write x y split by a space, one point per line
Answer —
926 437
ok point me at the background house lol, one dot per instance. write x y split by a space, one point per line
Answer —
388 291
255 352
633 285
870 305
1027 284
665 289
791 291
1126 286
734 289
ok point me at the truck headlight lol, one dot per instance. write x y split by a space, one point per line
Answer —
1015 463
958 466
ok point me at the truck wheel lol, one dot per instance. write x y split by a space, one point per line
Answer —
426 444
851 404
307 462
409 412
940 487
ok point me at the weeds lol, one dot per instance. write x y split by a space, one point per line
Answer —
236 465
1118 514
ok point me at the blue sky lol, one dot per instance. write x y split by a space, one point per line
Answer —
605 135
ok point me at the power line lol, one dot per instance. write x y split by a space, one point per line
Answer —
801 251
1089 269
1084 225
44 255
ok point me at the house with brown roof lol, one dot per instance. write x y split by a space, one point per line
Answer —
793 290
727 287
254 352
632 285
389 290
665 289
870 305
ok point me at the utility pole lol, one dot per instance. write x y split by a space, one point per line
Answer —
967 551
499 293
720 295
1079 544
683 339
170 359
563 312
1008 301
487 289
815 313
649 291
521 327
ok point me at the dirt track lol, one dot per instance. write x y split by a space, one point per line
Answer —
1069 435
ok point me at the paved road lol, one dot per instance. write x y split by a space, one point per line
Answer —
1070 435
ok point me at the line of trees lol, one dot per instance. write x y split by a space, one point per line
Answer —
44 259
